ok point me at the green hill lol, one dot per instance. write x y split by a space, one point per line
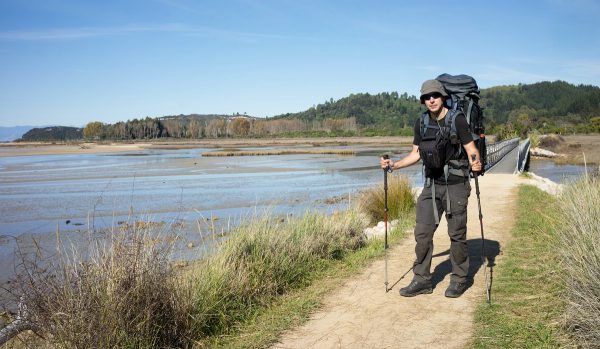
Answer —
546 106
557 107
52 133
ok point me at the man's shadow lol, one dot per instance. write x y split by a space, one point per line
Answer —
492 250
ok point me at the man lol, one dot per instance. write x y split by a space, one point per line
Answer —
445 189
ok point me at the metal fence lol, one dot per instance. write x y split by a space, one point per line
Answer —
496 151
523 162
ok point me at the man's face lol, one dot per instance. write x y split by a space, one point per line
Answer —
434 102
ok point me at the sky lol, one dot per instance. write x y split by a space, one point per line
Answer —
70 62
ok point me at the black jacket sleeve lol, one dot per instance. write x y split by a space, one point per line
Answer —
463 130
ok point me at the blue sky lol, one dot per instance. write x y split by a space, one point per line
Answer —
69 62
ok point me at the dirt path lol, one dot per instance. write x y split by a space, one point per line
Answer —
361 315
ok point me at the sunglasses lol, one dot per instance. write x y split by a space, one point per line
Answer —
435 95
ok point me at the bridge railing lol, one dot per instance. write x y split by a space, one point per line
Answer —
523 161
496 151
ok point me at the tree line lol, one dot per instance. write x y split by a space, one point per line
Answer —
194 127
548 107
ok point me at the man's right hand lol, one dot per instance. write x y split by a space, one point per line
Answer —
386 163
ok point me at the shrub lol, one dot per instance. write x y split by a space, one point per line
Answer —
551 141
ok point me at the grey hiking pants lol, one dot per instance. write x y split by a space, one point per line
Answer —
457 229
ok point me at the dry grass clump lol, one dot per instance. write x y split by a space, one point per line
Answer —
265 258
400 199
580 249
121 292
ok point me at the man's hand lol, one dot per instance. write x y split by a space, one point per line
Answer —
475 163
386 163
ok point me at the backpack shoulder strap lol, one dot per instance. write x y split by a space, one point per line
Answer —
469 110
451 120
424 123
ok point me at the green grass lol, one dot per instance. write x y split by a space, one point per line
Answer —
527 304
264 325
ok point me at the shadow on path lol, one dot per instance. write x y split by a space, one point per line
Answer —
492 250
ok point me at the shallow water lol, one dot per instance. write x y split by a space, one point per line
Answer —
80 193
40 194
556 172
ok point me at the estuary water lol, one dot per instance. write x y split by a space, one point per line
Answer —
76 194
79 194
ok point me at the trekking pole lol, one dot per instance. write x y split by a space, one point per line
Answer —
385 219
483 259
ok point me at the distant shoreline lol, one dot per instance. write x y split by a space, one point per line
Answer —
46 148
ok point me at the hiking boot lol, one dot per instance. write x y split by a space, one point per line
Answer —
416 288
456 289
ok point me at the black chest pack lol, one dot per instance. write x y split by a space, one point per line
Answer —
439 142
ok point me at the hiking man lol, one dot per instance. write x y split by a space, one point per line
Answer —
446 189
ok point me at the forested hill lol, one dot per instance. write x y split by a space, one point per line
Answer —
547 106
52 133
557 107
557 103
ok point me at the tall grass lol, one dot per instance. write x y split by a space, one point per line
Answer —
125 293
266 258
121 292
400 199
579 233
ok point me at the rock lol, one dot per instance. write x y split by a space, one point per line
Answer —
543 153
378 231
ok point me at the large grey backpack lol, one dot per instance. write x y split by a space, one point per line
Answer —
464 96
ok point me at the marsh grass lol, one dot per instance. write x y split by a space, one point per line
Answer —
125 292
400 199
579 247
236 152
263 324
266 258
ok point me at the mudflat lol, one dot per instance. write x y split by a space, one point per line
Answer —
24 149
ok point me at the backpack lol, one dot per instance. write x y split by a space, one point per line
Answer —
464 97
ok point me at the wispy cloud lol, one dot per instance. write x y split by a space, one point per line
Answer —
82 33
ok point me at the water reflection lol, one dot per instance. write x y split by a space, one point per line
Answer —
73 193
558 173
76 193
